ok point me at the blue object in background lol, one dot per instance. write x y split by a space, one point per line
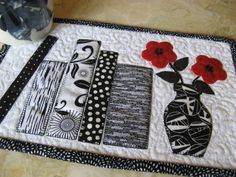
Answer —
21 17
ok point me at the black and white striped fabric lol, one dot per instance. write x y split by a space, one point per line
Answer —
10 96
129 110
39 103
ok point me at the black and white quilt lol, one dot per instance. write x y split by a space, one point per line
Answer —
122 97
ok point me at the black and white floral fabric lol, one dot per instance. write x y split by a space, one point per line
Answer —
66 117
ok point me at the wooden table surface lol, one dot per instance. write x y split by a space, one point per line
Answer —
212 17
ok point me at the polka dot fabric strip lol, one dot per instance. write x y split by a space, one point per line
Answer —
95 110
26 73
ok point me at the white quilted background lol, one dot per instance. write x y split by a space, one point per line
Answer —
221 151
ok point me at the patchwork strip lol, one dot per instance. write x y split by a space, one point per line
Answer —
129 110
3 51
38 107
65 121
26 73
95 111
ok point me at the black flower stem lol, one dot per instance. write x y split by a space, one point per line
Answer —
196 79
181 79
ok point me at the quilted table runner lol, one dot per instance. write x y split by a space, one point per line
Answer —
122 97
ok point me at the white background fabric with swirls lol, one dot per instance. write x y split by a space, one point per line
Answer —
221 151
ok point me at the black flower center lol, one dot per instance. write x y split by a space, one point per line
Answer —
209 68
159 51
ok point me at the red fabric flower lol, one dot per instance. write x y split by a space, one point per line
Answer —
210 69
159 53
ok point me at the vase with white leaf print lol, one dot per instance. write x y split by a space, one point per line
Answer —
187 121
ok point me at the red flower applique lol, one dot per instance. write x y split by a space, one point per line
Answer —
159 53
210 69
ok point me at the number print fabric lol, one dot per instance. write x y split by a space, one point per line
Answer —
37 109
95 110
129 109
65 121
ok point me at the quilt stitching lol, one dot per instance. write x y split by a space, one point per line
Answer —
182 170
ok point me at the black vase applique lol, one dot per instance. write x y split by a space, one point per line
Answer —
187 121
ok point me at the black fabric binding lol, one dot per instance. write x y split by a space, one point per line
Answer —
106 161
